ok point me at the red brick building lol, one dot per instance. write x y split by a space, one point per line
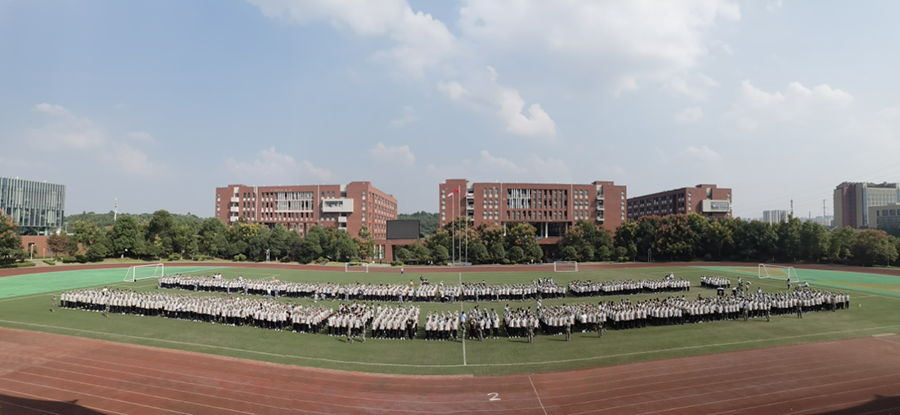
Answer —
298 208
705 199
550 208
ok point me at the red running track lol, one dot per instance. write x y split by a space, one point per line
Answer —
52 374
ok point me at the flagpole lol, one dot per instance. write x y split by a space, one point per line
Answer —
452 231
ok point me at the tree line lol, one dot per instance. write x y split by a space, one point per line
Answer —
669 238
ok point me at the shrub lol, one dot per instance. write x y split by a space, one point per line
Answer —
49 262
240 257
68 259
506 261
81 258
23 264
396 263
175 257
199 257
284 259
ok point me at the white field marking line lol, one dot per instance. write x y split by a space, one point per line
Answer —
231 399
50 293
774 359
321 359
689 395
809 397
819 409
55 400
135 392
160 387
537 395
461 310
884 335
236 383
769 392
685 379
95 396
814 282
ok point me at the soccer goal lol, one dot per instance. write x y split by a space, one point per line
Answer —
565 266
356 267
140 272
777 272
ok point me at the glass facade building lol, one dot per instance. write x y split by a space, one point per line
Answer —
37 207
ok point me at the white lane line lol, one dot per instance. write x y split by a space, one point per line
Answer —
537 395
82 393
346 362
464 325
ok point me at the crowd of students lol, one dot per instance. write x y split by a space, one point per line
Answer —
354 318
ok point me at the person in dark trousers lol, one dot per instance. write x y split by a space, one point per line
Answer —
53 304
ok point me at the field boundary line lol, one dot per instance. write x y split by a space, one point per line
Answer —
537 395
322 359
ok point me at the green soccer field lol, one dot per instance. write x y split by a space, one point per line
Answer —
873 311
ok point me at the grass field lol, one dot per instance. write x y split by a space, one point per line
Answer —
873 311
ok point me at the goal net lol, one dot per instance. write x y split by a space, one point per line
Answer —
356 267
140 272
777 272
565 266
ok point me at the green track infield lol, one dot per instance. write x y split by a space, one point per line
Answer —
25 304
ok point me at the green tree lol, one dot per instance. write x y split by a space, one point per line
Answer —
674 237
718 236
58 244
420 253
569 253
840 244
125 236
497 251
10 242
814 241
365 244
279 242
87 233
789 238
699 227
161 231
440 254
312 247
478 253
97 251
439 238
626 238
516 254
344 249
522 235
872 247
213 239
403 255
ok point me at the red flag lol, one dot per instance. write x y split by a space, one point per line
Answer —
453 192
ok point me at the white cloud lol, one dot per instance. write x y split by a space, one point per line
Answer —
269 163
409 115
680 86
420 40
774 5
69 132
536 124
134 162
498 164
52 109
393 154
505 103
318 172
689 115
796 104
703 153
141 137
631 41
453 90
488 167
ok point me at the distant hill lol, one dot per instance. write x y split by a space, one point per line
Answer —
104 220
428 222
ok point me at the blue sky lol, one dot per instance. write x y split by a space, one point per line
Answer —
157 102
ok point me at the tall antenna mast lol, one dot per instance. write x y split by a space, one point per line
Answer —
116 209
792 207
